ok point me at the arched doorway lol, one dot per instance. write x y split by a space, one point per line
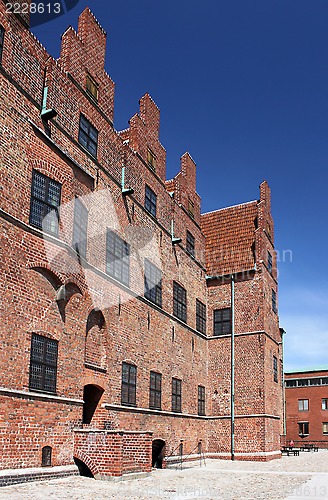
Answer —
91 397
157 453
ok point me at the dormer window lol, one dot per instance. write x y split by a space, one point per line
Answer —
92 87
151 159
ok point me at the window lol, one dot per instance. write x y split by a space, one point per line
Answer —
274 301
290 383
88 136
190 244
92 87
222 321
303 428
43 363
275 369
303 405
46 456
200 316
176 395
191 208
302 382
129 384
80 228
201 400
2 36
269 262
324 404
151 159
153 283
314 381
155 391
117 257
179 302
45 201
325 427
150 201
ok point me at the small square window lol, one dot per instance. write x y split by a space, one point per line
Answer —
117 258
179 302
153 283
43 364
80 228
2 36
269 262
129 384
201 400
176 395
155 391
274 301
190 244
151 159
222 321
88 136
275 369
92 87
45 201
303 428
324 404
200 316
303 405
191 208
150 201
325 427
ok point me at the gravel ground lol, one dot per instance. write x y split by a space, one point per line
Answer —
292 478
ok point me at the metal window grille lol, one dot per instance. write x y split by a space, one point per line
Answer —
274 301
275 369
190 244
200 316
155 391
201 400
153 283
129 384
45 201
222 321
269 262
150 201
176 395
80 228
88 136
117 258
179 302
43 363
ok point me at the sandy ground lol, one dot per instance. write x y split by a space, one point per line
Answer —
291 478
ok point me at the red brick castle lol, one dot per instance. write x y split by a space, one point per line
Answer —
119 299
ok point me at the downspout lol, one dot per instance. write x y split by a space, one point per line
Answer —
232 399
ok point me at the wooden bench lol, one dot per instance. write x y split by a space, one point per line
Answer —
289 450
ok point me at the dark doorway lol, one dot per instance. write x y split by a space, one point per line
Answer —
91 398
46 456
83 469
158 453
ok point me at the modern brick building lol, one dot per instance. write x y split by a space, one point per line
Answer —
119 298
306 395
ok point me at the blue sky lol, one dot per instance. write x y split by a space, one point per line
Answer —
242 85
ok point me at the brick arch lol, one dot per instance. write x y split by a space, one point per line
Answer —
53 277
87 461
49 169
95 338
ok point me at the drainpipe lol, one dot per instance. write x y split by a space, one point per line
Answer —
232 398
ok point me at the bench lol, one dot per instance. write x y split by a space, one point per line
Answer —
309 447
288 450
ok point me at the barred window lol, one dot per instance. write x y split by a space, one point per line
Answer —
129 384
274 301
117 258
155 391
150 201
179 302
45 201
92 87
153 283
43 363
200 316
275 369
176 395
222 321
88 136
151 159
80 228
190 244
201 400
2 36
269 262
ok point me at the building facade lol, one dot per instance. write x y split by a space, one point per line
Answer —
306 394
119 298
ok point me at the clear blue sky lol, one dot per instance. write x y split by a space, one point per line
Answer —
243 86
